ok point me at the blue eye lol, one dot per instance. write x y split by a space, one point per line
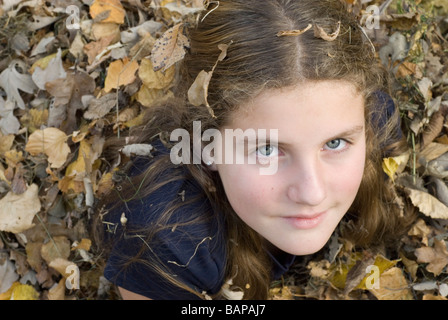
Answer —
335 144
267 151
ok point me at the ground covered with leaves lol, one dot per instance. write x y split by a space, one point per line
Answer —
72 70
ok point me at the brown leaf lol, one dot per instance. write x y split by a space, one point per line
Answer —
52 142
198 91
393 286
116 10
428 204
169 48
120 72
433 128
437 257
57 247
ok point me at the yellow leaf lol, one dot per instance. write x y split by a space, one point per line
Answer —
52 142
340 270
7 294
155 79
104 185
116 11
390 166
79 166
20 291
85 244
120 72
383 264
13 157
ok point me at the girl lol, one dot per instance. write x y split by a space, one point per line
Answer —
302 71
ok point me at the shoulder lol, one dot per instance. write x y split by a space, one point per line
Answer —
187 246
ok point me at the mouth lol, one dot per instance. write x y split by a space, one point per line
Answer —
307 221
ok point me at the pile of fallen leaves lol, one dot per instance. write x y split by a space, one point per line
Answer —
72 71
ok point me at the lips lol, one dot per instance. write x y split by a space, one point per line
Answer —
306 221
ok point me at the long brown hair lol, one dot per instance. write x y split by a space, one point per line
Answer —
258 59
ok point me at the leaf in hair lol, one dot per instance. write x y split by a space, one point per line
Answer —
198 92
319 32
297 32
169 48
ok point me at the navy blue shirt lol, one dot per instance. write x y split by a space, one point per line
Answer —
195 254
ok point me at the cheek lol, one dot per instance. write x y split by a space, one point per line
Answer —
246 192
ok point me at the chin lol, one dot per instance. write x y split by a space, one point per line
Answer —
303 247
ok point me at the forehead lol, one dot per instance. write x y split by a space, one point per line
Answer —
313 105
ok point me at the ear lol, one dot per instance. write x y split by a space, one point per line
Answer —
213 167
209 163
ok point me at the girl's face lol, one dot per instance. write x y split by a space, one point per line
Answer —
319 157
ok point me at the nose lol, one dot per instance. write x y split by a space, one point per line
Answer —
307 182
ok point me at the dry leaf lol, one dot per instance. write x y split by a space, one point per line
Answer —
427 204
420 229
8 273
294 33
169 48
57 292
98 108
62 266
11 81
120 72
116 11
51 69
319 32
94 48
431 151
198 91
17 211
57 247
85 244
6 142
436 257
434 127
20 291
393 286
111 31
155 79
390 166
52 142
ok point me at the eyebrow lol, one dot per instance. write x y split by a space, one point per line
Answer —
348 133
